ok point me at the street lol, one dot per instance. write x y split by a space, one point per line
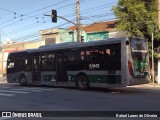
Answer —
14 97
80 60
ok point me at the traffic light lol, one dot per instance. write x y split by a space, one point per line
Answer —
82 38
54 16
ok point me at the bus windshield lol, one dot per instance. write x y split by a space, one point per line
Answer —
138 44
139 52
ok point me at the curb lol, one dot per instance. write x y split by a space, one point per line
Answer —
152 85
147 85
4 80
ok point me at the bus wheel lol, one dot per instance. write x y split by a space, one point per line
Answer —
82 82
22 80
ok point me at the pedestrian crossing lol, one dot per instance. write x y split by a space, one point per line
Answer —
9 91
1 118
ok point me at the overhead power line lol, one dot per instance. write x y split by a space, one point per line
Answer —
27 16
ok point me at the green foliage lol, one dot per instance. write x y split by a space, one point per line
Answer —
139 18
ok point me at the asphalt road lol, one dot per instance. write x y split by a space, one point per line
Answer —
36 98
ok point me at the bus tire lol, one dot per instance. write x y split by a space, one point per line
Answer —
22 80
82 82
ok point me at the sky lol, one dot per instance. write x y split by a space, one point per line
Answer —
21 20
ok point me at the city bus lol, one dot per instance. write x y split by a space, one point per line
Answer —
115 62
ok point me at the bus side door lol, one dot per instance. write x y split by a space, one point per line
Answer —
36 68
61 67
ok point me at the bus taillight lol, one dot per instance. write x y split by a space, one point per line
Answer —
130 68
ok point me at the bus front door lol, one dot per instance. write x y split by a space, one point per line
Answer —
36 74
61 67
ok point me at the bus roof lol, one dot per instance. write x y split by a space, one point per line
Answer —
69 45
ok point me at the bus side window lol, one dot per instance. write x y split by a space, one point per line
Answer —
113 57
51 61
82 55
44 62
88 58
71 60
27 64
81 59
11 62
48 61
76 60
93 58
20 62
11 65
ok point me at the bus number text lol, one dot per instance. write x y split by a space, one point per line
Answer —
92 66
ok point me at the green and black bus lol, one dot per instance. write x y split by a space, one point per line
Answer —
115 62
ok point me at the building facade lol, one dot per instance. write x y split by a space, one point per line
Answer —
100 31
58 35
95 31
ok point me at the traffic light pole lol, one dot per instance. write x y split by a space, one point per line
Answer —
78 28
54 19
77 25
66 20
63 19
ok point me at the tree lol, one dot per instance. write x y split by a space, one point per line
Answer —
138 18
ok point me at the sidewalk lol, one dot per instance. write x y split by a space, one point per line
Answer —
3 80
149 85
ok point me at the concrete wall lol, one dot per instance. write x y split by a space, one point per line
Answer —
32 45
50 36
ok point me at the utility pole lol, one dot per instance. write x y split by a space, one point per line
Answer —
152 60
78 26
78 19
159 14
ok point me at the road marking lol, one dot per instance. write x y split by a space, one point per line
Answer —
21 92
3 94
2 118
5 118
4 87
26 90
41 89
